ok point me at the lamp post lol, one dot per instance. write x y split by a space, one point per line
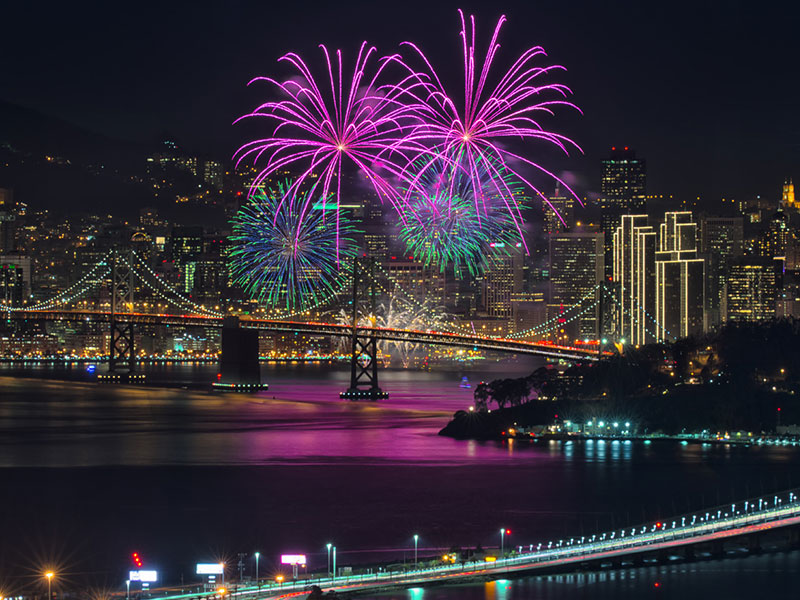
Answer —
334 561
127 589
329 546
503 533
258 554
416 539
49 575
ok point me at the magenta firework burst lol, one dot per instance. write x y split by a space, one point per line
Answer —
477 130
321 126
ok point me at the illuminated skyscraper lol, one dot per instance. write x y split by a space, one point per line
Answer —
502 278
680 279
721 241
565 205
788 200
576 269
633 270
623 192
7 221
752 289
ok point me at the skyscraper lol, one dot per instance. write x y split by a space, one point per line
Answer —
680 279
565 207
788 200
721 241
502 278
752 289
7 221
623 190
633 271
576 269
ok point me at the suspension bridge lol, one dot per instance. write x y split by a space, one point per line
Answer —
124 271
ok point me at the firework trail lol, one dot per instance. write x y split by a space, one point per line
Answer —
281 256
473 133
397 313
454 228
342 120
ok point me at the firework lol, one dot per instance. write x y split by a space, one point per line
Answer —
475 133
397 313
342 121
458 223
281 257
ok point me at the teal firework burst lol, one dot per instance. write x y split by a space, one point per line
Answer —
285 258
454 229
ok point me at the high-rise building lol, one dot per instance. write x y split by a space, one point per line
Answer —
8 221
788 200
212 173
187 244
633 272
576 270
680 279
15 279
561 210
623 189
752 289
721 241
502 277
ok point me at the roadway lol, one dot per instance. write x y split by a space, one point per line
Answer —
429 337
700 528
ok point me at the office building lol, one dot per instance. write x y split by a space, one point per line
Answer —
623 189
633 273
576 271
8 221
752 289
502 277
721 241
680 279
559 214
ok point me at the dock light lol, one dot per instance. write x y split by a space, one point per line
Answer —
221 591
279 578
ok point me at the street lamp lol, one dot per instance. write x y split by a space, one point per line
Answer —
49 575
329 546
416 539
258 554
127 589
503 533
334 561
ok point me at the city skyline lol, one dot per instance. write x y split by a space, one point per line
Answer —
706 129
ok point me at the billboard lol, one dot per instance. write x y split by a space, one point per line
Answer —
209 568
293 559
144 576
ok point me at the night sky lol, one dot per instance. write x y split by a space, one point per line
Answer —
707 92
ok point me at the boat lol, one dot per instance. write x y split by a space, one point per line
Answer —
465 382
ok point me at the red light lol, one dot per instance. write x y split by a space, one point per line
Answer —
626 147
508 532
613 148
136 559
657 584
779 409
659 524
556 416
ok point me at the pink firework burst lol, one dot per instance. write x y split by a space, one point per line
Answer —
473 134
319 127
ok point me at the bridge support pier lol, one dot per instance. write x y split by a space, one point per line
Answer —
363 343
122 350
240 370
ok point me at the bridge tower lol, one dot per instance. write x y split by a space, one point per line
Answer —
363 343
122 355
